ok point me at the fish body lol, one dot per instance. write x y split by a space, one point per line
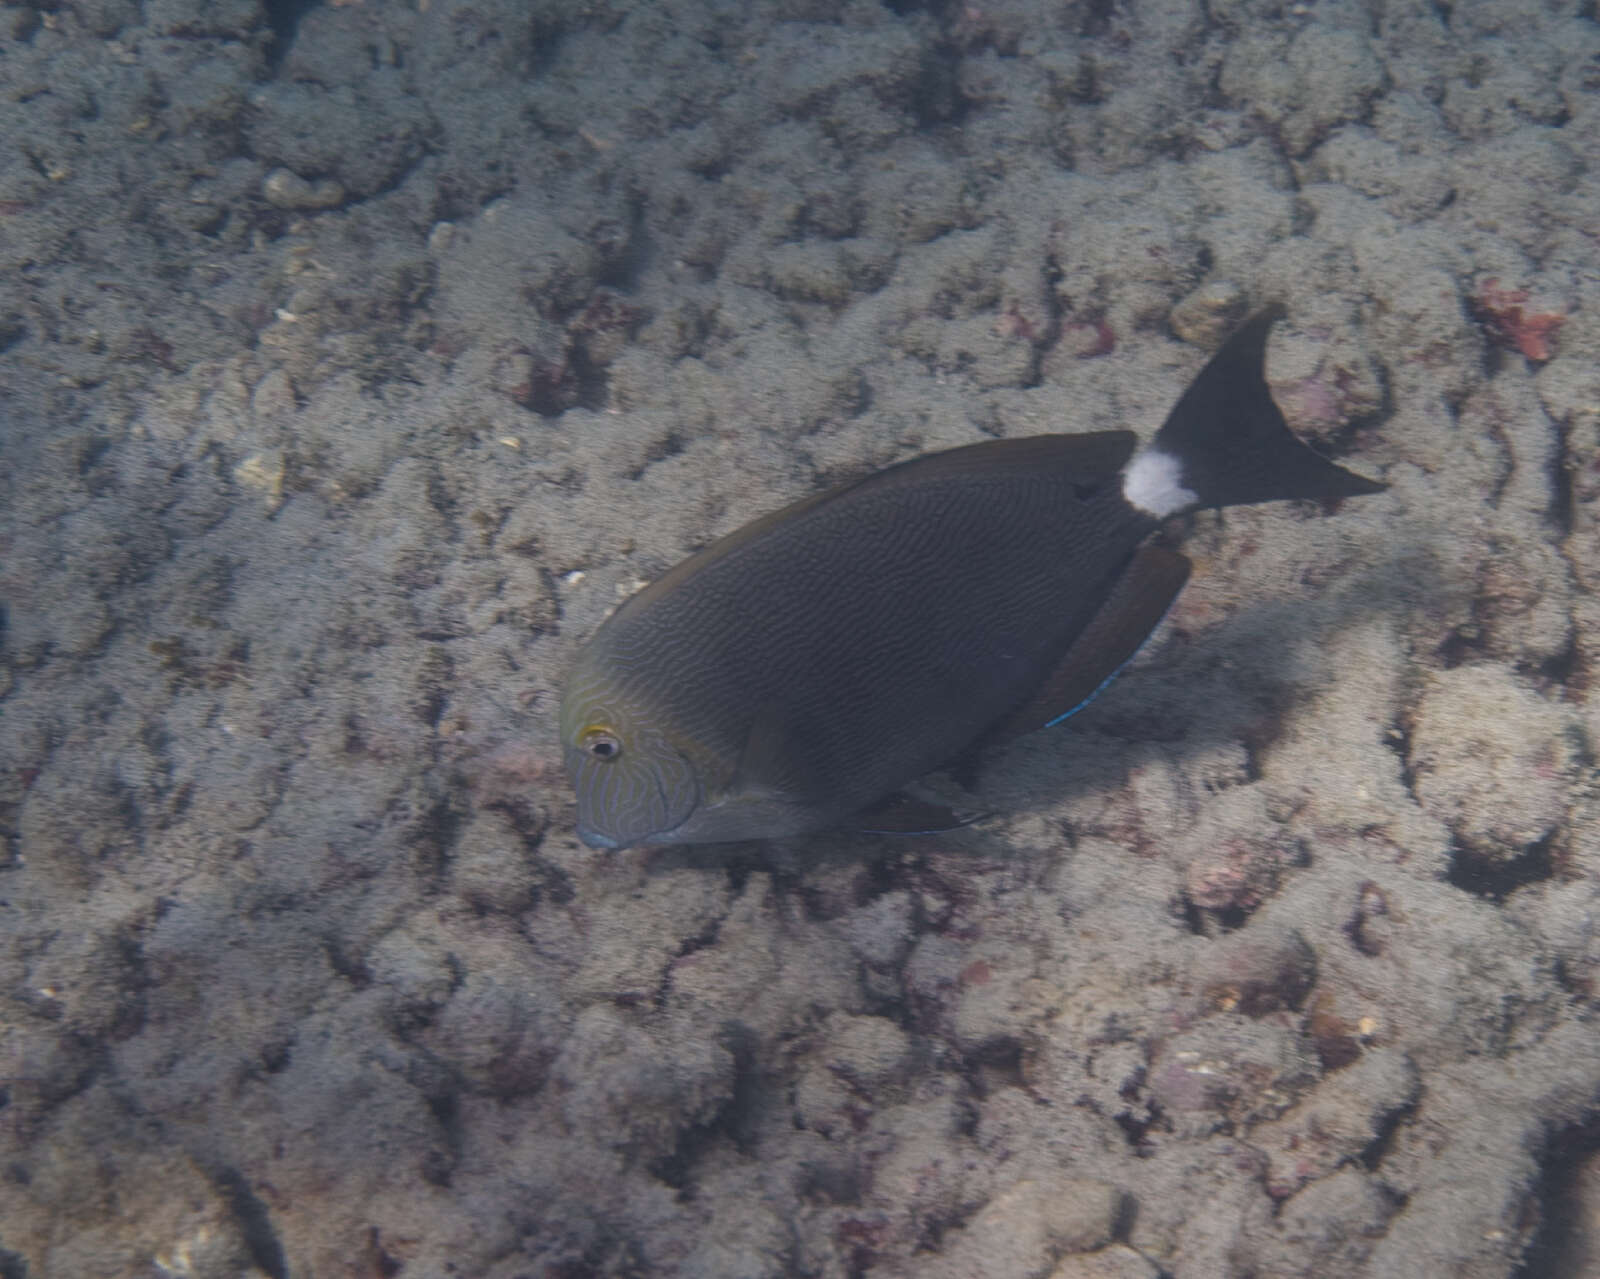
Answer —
797 673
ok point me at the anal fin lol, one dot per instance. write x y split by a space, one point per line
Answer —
1135 607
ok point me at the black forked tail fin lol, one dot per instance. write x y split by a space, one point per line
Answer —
1226 444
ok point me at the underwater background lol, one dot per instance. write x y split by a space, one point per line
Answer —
357 357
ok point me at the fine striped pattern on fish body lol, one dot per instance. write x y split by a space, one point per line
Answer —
812 662
803 668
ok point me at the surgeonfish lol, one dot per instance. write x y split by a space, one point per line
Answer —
797 673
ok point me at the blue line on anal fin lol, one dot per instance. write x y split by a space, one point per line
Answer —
1106 683
1134 609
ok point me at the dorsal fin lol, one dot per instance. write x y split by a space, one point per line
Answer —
1092 454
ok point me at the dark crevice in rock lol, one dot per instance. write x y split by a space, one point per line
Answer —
1382 1142
545 37
749 1100
435 834
347 964
1563 474
438 1165
996 1064
1496 879
734 1121
1135 1128
937 99
1371 902
283 17
1398 739
703 940
1560 1244
1096 19
12 331
669 445
1565 670
254 1222
826 1183
1580 987
1230 918
1460 646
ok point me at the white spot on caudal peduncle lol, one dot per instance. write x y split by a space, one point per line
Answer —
1154 483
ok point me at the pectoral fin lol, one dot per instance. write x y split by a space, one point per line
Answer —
772 763
902 814
1134 608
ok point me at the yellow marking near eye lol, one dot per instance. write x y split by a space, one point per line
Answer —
595 735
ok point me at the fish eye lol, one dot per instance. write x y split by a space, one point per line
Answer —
601 743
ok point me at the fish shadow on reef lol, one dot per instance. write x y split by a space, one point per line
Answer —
1240 680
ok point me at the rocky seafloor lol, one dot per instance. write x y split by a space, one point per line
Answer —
355 358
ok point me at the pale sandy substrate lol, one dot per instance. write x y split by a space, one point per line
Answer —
348 379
